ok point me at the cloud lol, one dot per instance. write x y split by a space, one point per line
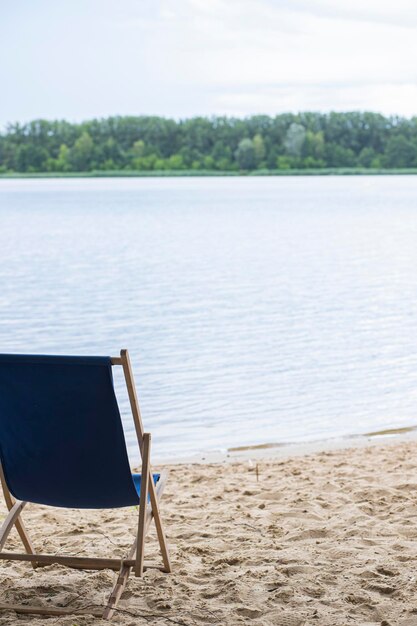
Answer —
251 44
402 13
186 57
316 97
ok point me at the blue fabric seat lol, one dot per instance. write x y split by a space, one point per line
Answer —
61 436
137 479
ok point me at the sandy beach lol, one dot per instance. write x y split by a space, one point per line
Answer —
326 539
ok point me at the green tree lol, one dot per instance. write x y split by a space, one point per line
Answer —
338 156
259 149
366 157
82 152
175 162
294 139
160 164
313 145
283 162
245 154
222 156
144 162
63 160
138 149
31 158
401 152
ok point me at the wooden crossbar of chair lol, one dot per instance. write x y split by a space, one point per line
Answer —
150 496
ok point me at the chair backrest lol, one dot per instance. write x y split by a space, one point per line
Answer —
61 435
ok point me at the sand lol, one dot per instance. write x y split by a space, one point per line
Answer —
327 539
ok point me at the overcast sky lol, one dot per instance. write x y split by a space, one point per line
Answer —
79 59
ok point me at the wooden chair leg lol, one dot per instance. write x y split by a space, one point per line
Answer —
143 501
160 529
20 527
10 521
137 419
119 587
124 572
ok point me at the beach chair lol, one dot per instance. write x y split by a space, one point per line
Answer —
62 444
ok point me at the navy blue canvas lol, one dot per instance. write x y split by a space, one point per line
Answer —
61 436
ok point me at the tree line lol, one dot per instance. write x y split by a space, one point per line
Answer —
146 143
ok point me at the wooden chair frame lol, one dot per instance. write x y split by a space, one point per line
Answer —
150 496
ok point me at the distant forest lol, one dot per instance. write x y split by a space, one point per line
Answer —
145 144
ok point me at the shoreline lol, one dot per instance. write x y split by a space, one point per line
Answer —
339 171
282 451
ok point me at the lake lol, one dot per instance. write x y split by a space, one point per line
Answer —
255 310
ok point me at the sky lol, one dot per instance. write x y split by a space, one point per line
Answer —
84 59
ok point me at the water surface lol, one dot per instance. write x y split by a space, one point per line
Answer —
255 310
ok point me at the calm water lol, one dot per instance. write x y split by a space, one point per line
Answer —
255 309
